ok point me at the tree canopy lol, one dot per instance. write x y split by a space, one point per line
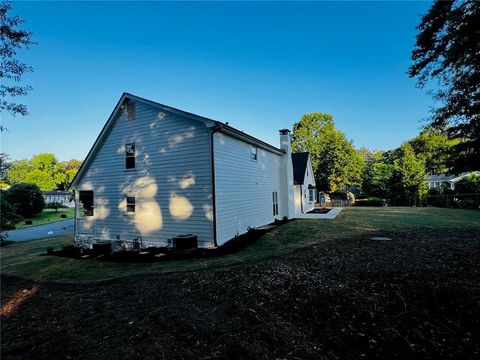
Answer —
448 50
11 69
336 163
43 170
468 185
409 175
378 180
434 148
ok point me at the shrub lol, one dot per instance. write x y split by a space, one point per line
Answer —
3 239
439 201
468 203
8 218
26 199
55 205
338 195
468 185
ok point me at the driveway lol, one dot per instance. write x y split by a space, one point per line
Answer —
41 231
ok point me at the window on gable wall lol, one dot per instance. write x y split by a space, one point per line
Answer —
130 156
131 111
311 196
253 153
130 204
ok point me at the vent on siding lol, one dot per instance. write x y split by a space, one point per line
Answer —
131 111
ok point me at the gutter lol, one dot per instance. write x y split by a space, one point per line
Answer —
246 138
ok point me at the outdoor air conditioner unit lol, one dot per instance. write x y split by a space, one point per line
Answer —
185 242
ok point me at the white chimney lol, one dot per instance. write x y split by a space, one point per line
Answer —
287 205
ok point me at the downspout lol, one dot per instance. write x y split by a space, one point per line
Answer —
75 214
213 130
301 197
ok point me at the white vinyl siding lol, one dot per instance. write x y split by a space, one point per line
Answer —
243 187
171 182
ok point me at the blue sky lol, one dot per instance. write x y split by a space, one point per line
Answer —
259 66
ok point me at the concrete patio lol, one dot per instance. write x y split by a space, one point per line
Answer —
332 214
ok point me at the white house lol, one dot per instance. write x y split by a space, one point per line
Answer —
447 181
156 172
305 194
57 196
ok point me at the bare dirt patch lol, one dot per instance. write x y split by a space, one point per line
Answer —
414 297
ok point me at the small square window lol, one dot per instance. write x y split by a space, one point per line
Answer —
130 204
131 111
253 153
130 156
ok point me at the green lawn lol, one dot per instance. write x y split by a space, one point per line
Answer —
47 216
22 259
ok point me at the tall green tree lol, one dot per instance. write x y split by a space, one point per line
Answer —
448 51
370 156
12 39
378 180
434 148
69 169
43 170
335 161
389 156
42 179
4 166
409 178
18 171
45 162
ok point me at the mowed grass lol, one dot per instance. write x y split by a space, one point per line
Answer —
47 216
24 260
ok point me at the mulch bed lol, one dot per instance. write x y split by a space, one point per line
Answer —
150 254
319 211
415 297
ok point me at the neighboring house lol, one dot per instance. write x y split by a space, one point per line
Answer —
447 181
156 172
305 193
62 197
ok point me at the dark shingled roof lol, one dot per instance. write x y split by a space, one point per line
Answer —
55 192
299 161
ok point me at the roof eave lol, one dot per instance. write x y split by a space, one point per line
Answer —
248 138
219 126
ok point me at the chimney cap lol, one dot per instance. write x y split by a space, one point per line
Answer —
284 131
